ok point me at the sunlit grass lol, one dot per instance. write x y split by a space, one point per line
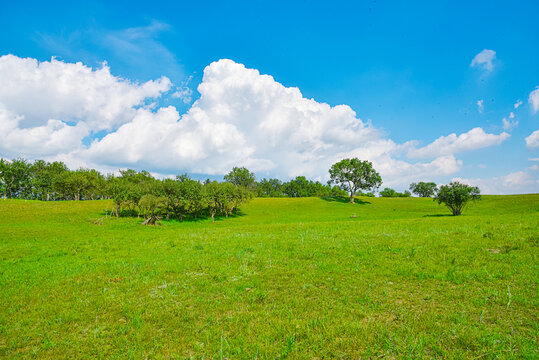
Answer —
297 278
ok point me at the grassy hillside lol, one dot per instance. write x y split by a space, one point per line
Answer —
287 278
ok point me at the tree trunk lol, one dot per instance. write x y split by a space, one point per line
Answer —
352 197
212 217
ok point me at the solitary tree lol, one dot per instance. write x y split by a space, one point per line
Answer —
423 189
456 195
353 175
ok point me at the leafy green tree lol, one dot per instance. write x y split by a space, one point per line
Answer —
15 178
353 175
270 188
216 198
423 189
43 175
79 184
241 176
456 196
196 196
388 192
184 196
298 187
151 207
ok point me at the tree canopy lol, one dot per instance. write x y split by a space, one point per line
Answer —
423 189
456 196
388 192
353 175
241 176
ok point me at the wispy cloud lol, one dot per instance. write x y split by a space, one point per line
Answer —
480 106
534 100
136 52
484 60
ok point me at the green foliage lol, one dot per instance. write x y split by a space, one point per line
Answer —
15 178
353 175
241 176
44 174
423 189
293 276
456 196
302 187
151 207
388 192
270 188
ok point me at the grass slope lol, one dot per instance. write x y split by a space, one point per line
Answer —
296 278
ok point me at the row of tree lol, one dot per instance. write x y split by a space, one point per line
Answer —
138 192
54 181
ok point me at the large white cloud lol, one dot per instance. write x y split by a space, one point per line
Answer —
474 139
532 141
248 119
242 118
72 92
51 138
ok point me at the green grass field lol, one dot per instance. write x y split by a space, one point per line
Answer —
288 278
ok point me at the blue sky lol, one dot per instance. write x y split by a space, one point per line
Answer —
403 67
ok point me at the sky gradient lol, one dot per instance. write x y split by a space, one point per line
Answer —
427 91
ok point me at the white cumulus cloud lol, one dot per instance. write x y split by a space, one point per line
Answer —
518 182
71 92
474 139
484 60
242 118
532 141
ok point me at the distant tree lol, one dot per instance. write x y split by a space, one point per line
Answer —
298 187
216 198
43 175
353 175
15 178
423 189
151 207
388 192
270 188
3 185
456 195
241 176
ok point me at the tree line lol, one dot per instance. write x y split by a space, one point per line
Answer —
43 180
138 193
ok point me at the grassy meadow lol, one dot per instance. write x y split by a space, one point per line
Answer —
289 278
